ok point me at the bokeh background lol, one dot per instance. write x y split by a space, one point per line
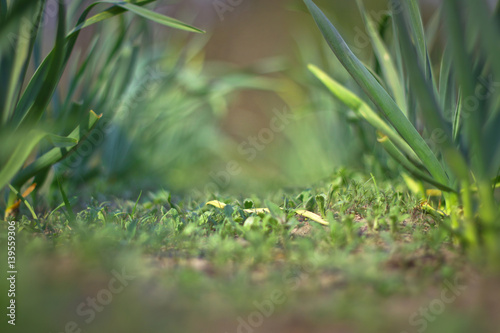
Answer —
196 116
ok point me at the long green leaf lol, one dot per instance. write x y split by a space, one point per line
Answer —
466 79
156 17
78 135
416 34
447 89
23 50
457 124
416 27
51 80
479 15
19 156
39 78
24 201
377 94
61 141
394 152
473 125
70 214
364 110
391 76
121 7
423 87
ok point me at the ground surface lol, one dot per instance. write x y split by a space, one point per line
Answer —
175 265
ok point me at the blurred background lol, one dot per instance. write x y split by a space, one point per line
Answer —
234 109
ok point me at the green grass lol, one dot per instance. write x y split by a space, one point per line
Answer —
199 267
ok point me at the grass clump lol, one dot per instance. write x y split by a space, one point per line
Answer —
427 122
34 113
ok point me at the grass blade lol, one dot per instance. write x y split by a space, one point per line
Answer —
22 198
156 17
70 214
122 7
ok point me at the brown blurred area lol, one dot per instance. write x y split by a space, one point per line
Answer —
244 33
253 30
